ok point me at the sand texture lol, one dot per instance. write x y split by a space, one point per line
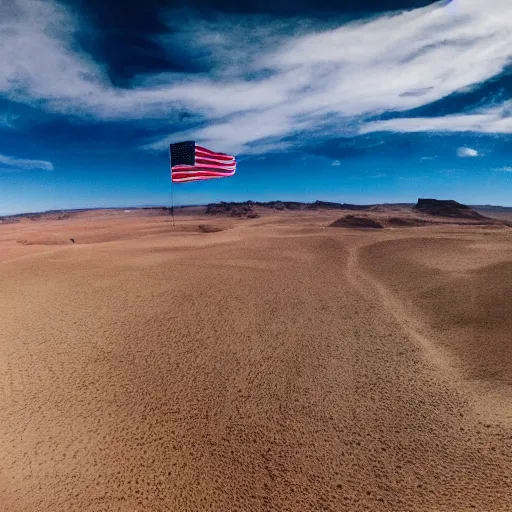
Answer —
266 364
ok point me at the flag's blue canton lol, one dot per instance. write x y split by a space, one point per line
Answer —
183 153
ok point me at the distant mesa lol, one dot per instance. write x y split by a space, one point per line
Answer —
353 221
447 208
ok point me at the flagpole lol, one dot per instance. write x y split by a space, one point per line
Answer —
172 191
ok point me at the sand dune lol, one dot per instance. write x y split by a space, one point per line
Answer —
457 286
275 365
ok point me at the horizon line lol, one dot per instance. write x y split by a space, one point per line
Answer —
159 206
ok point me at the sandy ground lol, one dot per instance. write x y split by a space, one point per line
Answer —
278 365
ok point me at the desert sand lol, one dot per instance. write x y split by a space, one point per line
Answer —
276 364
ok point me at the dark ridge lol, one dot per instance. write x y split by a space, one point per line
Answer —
337 206
232 209
352 221
247 208
405 222
208 228
9 219
447 208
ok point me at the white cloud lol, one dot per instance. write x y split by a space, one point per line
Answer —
504 169
465 152
492 120
11 163
336 163
264 85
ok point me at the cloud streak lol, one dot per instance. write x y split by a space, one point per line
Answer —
10 163
264 85
493 120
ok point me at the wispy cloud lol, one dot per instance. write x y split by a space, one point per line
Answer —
504 169
264 85
491 120
11 163
7 121
465 152
336 163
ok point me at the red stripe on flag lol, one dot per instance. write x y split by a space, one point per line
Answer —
201 152
183 179
214 161
214 168
200 172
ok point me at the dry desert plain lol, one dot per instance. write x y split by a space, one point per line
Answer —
276 365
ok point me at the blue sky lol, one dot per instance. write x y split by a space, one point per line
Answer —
387 101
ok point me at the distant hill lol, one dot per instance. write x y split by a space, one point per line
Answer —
447 208
72 213
491 208
353 221
496 212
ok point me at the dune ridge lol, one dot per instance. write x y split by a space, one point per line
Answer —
455 288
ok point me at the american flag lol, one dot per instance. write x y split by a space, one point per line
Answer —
190 162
